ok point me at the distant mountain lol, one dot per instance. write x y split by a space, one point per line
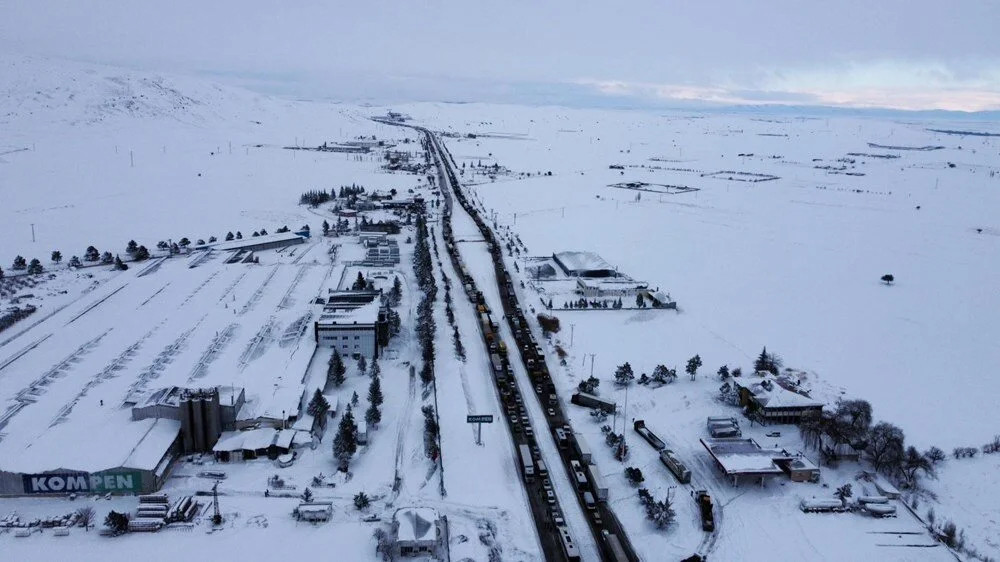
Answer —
42 91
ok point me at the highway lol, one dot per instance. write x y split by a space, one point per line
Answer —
607 534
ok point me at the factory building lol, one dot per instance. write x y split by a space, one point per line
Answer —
353 322
258 243
203 413
583 264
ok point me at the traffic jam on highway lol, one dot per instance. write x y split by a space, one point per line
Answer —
591 493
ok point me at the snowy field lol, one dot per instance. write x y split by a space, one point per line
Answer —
766 231
792 263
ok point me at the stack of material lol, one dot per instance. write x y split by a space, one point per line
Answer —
145 524
183 509
151 513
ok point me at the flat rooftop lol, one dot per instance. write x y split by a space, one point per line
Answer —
582 261
253 240
744 456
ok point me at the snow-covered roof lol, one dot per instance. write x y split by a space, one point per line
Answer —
582 261
72 446
743 456
254 439
771 394
364 314
253 240
416 524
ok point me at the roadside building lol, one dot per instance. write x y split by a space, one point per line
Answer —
583 264
616 287
314 512
769 399
419 531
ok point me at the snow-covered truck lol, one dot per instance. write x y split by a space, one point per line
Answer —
649 436
597 483
583 448
704 502
527 462
675 466
594 402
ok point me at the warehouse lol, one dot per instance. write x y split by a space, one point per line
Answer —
583 264
257 243
254 444
133 458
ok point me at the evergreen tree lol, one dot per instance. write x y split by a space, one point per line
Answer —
354 398
1 273
638 301
255 234
767 362
131 247
117 522
141 254
212 239
56 256
119 264
723 372
692 366
326 227
263 232
200 242
239 235
307 495
375 370
359 283
73 262
362 365
664 375
107 258
346 442
184 242
335 372
35 267
375 391
91 254
318 406
361 501
230 236
175 249
624 374
373 415
19 263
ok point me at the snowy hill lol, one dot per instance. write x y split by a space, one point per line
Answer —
47 91
101 155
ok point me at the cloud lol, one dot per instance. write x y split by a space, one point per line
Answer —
891 84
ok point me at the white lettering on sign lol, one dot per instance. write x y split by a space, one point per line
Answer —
38 484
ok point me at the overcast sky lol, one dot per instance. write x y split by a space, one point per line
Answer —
914 54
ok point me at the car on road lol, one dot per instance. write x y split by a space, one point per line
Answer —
546 484
551 412
550 497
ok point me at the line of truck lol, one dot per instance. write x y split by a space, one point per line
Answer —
591 492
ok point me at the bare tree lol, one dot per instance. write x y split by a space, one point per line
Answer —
85 515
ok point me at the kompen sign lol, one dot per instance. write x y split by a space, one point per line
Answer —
82 482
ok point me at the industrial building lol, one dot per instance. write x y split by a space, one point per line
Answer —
264 442
769 399
203 413
583 264
419 531
354 323
258 243
128 458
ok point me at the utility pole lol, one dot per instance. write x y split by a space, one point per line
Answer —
131 159
592 363
624 448
32 232
572 330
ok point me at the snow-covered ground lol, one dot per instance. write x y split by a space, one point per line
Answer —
791 263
